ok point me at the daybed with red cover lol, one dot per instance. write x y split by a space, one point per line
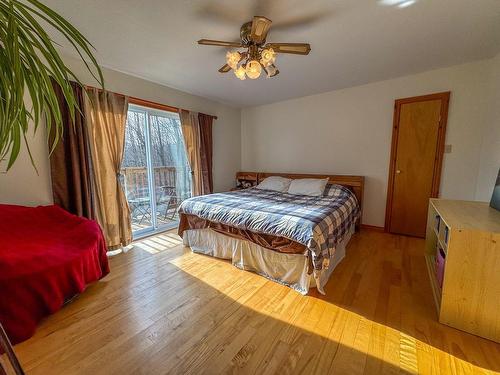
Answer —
47 256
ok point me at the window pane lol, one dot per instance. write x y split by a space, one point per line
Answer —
172 175
134 171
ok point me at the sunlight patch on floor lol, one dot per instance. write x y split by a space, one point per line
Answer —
159 243
360 339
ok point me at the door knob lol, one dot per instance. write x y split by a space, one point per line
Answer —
398 171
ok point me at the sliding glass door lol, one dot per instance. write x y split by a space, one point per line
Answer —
155 171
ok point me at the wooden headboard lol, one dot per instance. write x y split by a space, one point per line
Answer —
355 183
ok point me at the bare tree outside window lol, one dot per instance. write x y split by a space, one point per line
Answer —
154 148
135 142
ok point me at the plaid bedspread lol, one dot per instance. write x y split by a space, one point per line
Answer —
319 223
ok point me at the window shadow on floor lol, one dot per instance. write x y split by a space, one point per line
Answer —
189 316
384 279
172 311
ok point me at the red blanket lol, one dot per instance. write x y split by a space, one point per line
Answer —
47 256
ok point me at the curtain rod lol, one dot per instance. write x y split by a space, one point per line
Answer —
146 103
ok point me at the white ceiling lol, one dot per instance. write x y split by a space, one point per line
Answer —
353 41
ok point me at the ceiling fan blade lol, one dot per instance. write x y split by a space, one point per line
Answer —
260 28
218 14
264 7
225 68
302 21
209 42
295 48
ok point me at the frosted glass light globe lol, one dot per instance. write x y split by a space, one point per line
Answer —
253 69
270 70
233 58
240 73
268 57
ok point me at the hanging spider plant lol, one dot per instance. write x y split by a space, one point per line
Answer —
29 63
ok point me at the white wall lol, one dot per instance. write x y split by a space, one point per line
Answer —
349 132
490 151
345 131
21 185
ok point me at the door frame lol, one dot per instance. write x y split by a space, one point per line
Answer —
438 161
151 107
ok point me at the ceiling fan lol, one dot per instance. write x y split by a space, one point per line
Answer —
257 55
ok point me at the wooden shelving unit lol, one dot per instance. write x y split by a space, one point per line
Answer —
469 234
436 289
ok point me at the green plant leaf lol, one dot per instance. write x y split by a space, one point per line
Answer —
30 66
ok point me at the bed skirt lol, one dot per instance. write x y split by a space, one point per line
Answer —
287 269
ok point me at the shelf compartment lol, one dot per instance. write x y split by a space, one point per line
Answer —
430 260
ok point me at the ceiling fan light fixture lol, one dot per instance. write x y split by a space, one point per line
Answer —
268 56
271 70
240 73
233 58
258 55
253 69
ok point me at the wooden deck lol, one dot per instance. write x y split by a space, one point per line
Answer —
164 309
137 225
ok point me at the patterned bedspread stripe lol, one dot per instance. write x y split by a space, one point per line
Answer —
319 223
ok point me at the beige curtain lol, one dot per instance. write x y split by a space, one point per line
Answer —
191 134
106 115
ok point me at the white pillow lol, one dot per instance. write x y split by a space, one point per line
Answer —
308 186
275 183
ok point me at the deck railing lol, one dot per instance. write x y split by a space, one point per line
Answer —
135 179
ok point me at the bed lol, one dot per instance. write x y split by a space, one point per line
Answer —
47 256
296 240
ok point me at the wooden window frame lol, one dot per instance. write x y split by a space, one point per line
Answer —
148 103
153 105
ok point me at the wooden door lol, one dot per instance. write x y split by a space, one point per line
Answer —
416 158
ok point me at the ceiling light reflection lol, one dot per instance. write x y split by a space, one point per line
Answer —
397 3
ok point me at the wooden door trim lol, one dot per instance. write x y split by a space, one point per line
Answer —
438 162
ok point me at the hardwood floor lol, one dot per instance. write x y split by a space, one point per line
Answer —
163 309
